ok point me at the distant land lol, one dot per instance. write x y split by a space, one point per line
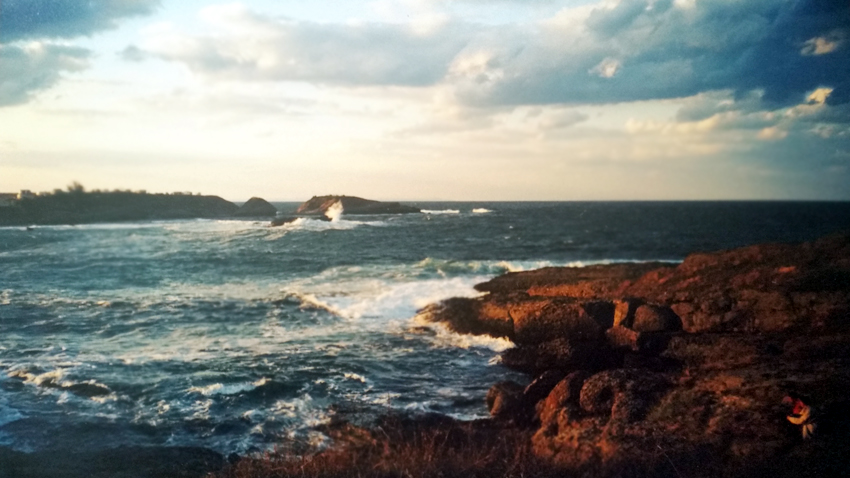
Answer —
78 206
319 205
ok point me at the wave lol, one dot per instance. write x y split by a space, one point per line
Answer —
443 211
445 338
54 380
481 210
337 223
228 389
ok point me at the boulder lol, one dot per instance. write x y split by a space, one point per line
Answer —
256 207
655 318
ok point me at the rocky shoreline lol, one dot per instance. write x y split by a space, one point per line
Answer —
656 369
697 369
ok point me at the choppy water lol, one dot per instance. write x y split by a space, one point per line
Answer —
232 334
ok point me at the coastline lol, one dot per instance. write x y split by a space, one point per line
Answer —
636 369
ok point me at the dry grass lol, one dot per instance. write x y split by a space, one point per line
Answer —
398 450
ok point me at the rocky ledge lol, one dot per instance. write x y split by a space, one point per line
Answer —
677 370
319 205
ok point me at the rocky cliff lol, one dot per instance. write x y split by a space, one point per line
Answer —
319 205
677 370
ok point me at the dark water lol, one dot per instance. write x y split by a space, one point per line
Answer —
231 334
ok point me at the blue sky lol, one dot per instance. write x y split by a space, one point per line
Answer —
429 99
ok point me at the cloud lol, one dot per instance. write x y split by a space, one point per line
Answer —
31 19
30 62
34 67
610 52
642 50
252 47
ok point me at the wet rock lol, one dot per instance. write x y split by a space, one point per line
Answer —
471 316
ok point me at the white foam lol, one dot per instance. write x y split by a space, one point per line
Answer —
443 211
335 211
481 210
356 377
445 338
228 389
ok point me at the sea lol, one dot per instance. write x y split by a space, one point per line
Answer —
237 336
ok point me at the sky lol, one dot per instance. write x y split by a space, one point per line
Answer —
429 99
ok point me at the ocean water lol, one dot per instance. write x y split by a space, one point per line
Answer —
233 335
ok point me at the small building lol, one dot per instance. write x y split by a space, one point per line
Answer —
25 194
8 199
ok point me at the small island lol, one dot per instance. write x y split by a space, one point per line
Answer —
327 208
319 206
78 206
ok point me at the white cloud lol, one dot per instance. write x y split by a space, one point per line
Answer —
607 68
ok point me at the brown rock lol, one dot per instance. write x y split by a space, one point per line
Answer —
471 316
619 337
563 354
624 312
540 387
537 320
505 400
565 393
654 318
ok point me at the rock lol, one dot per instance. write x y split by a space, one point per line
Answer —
540 387
470 316
256 207
319 206
559 354
624 311
539 319
505 401
591 282
279 221
619 337
654 318
564 393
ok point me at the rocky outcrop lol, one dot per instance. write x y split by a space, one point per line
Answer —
319 205
676 370
256 207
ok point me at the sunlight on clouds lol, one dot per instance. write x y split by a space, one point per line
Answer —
821 45
771 133
819 96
